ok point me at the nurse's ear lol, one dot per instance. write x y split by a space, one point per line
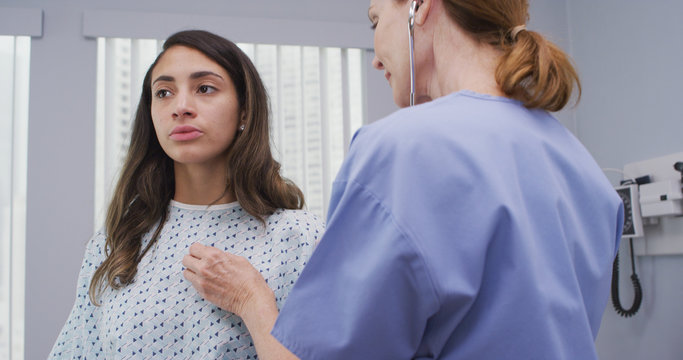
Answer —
423 7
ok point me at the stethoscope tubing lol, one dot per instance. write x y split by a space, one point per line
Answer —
411 37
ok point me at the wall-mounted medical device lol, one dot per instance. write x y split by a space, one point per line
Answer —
633 222
661 198
652 195
649 191
653 205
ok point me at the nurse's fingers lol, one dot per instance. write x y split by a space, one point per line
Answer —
191 263
200 251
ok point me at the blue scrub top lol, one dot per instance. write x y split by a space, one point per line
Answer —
469 227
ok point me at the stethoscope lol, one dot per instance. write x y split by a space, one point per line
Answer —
411 36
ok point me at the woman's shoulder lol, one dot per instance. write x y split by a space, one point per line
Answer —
97 242
301 217
95 250
451 114
464 122
301 222
454 137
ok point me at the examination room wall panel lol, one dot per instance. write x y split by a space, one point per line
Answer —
629 55
60 172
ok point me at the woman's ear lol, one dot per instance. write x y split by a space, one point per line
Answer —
242 124
422 11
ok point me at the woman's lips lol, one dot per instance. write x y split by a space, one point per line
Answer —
185 133
387 75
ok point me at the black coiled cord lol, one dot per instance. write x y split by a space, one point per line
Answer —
637 289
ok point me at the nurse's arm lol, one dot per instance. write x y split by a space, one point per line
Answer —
259 319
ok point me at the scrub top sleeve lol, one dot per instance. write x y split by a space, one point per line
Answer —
73 336
365 293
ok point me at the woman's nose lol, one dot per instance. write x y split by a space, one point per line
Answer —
184 107
377 64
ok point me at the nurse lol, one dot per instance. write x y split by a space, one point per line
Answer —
470 226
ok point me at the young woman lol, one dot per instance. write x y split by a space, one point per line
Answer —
471 226
199 174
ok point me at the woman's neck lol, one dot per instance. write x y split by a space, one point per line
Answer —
462 63
201 184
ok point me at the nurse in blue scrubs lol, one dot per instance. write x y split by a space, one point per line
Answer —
472 225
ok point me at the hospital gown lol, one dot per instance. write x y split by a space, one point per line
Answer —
160 315
468 227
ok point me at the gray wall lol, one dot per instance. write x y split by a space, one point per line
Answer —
629 54
550 19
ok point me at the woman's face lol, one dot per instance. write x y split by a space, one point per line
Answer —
195 110
390 19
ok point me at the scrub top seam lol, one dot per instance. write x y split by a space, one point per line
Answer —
404 234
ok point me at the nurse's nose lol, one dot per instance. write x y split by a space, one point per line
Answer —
184 106
377 64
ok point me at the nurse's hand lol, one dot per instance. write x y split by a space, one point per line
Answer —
228 281
233 284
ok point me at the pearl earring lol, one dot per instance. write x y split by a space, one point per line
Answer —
242 127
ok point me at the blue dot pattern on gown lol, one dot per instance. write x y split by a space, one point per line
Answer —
160 315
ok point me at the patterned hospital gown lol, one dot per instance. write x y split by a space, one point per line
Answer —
160 315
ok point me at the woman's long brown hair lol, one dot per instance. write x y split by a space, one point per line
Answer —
146 184
532 69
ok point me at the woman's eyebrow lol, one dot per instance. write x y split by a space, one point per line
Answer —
163 78
194 75
201 74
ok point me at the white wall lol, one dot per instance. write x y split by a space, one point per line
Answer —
630 56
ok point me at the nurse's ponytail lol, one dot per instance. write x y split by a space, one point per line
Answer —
536 72
532 69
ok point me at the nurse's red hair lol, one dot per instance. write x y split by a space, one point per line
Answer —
531 69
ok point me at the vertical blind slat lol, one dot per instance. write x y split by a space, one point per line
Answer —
304 125
280 105
14 92
12 186
9 79
324 130
346 103
19 169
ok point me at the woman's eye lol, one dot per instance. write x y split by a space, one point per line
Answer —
162 93
206 89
